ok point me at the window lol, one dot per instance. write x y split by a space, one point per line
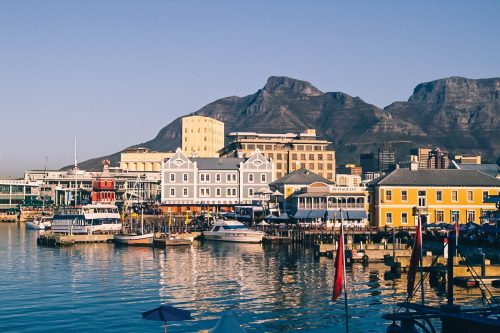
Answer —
404 218
263 178
471 216
185 192
455 216
311 166
172 192
233 177
329 157
234 192
278 156
228 192
388 218
422 202
185 177
202 177
311 157
250 177
294 156
228 177
439 216
250 192
388 195
217 192
279 166
404 195
217 177
439 195
485 195
470 196
320 157
303 156
204 192
172 177
454 196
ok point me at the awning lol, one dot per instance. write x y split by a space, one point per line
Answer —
302 214
317 214
356 214
336 214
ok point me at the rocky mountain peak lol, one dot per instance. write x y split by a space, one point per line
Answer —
279 85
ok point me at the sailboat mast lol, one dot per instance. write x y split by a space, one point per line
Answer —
43 185
76 177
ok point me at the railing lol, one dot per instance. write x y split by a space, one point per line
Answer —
332 206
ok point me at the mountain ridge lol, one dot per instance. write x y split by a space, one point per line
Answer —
458 114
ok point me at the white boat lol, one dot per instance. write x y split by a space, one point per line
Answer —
35 224
233 231
135 238
87 219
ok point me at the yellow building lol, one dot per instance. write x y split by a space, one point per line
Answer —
438 195
142 160
202 136
288 151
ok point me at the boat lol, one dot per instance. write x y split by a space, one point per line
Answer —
135 238
233 231
87 219
163 240
40 223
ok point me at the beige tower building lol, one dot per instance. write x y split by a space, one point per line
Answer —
202 136
288 151
142 160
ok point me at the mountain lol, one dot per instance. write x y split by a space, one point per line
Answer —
458 114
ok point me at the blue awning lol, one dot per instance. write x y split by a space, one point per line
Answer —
336 214
317 214
356 214
302 214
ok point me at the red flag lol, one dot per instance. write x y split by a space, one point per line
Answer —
415 260
339 268
457 229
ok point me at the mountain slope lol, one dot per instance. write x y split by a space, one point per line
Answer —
458 114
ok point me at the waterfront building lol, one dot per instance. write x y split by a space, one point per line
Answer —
14 192
323 202
142 160
202 136
189 184
439 195
103 186
288 151
295 182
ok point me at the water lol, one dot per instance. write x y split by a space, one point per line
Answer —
103 288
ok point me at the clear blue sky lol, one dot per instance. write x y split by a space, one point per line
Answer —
113 73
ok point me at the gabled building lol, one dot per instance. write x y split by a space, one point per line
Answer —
192 183
438 196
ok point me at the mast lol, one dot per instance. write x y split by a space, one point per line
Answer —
142 221
43 183
76 177
345 277
421 260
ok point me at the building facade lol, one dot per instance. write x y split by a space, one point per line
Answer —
430 158
438 196
202 136
191 183
14 192
142 160
289 151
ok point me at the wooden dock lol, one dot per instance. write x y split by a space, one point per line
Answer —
54 239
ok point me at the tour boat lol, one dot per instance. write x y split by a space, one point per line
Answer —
233 231
87 219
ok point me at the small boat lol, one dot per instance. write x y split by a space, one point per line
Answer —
135 238
233 231
162 240
35 224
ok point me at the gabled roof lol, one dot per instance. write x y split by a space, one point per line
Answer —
488 169
301 177
216 163
435 177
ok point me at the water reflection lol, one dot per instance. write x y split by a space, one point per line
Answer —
271 288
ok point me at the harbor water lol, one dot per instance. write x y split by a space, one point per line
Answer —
104 288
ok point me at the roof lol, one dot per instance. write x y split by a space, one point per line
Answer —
436 177
488 169
215 163
301 177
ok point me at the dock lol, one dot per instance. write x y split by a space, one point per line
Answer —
53 239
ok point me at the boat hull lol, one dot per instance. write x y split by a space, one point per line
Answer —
142 240
236 238
34 226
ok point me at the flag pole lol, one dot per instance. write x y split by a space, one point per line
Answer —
421 259
345 278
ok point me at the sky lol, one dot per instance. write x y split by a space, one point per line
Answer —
113 73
